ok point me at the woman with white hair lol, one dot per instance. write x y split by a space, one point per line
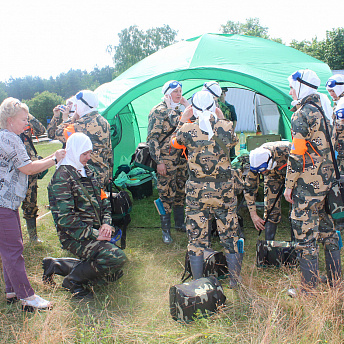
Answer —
210 189
171 166
82 215
309 177
15 166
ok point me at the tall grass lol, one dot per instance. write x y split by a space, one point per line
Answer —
135 309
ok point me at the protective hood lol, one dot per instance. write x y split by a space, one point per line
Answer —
340 109
168 88
86 102
213 87
261 156
336 83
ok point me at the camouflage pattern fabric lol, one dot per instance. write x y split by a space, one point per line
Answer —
225 110
210 190
97 128
29 205
339 138
310 176
171 187
75 218
273 181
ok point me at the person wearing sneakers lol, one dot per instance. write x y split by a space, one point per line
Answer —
82 215
15 166
171 165
310 173
210 189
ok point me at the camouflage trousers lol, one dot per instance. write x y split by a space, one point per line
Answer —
204 202
171 187
104 257
311 224
29 204
272 185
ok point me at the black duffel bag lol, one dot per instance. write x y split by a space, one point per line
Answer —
201 297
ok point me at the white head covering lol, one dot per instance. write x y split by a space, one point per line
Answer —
77 144
167 89
203 107
73 101
261 155
338 89
86 102
306 82
340 109
213 87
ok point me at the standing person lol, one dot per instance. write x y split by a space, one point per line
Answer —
87 120
310 173
15 166
171 166
210 189
270 159
228 111
29 205
214 88
82 215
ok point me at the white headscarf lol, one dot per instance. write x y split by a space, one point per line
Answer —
340 109
338 89
77 144
166 89
73 101
306 82
259 156
90 98
213 87
203 105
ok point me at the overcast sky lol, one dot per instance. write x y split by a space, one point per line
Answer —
45 38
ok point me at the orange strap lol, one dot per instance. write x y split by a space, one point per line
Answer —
176 145
299 146
68 131
102 194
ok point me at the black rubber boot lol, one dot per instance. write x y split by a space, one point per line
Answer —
166 228
270 230
333 267
234 263
196 263
179 224
57 266
32 229
81 275
309 274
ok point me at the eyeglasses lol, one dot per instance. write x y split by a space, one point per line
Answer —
340 114
261 168
298 77
332 83
172 85
79 96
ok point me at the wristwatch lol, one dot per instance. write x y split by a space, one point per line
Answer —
54 158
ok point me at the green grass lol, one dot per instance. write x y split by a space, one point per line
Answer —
135 309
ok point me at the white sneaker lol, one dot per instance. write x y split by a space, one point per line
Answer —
35 302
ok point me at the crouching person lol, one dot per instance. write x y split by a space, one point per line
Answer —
82 216
210 189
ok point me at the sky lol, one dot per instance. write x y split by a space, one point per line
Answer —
45 38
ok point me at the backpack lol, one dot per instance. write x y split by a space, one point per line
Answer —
215 264
142 158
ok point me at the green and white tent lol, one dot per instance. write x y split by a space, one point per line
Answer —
251 63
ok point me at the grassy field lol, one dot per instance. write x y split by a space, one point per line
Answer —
136 308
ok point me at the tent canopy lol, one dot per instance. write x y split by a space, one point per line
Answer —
252 63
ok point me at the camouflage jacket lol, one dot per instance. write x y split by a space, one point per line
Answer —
162 121
315 167
225 110
205 157
279 152
35 128
73 213
339 132
97 128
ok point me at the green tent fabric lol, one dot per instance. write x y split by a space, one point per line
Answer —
254 63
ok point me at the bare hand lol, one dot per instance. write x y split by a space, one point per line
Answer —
184 102
288 195
105 232
60 154
257 221
65 112
219 113
187 114
161 169
167 100
56 111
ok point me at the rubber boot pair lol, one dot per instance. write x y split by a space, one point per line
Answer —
234 263
57 266
179 217
166 228
32 229
196 263
270 230
333 267
76 281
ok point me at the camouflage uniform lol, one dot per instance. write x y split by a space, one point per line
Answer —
75 218
339 138
273 181
171 187
310 177
97 128
209 189
35 128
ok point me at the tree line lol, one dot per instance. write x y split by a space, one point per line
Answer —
42 95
